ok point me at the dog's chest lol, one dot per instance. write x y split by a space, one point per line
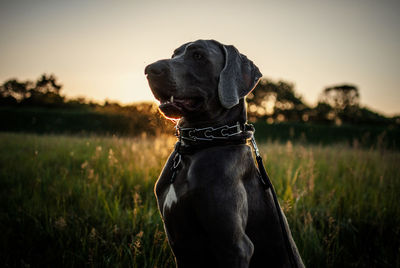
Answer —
172 195
170 198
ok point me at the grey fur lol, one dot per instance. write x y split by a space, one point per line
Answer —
216 213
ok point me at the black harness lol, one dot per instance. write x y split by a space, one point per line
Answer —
191 140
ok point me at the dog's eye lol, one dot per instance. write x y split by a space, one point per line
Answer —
197 56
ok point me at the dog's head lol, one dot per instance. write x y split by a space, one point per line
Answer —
202 79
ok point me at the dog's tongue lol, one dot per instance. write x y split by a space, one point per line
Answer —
171 109
175 108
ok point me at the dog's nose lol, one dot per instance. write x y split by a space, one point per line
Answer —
157 69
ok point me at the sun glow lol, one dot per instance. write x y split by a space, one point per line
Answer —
99 50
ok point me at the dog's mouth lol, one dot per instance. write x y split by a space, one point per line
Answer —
176 107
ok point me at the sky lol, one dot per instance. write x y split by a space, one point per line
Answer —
99 49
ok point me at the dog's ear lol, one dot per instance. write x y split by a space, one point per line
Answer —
238 77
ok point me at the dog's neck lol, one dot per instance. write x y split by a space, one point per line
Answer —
224 117
223 129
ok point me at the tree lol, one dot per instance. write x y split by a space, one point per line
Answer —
322 113
47 84
14 89
275 102
341 97
45 92
344 100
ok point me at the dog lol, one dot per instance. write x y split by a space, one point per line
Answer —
215 210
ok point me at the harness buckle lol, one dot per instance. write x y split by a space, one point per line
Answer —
176 163
253 142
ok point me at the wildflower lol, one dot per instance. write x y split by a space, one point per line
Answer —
91 173
308 219
97 153
137 200
289 147
140 234
158 236
60 224
93 234
136 244
115 229
111 158
133 147
84 165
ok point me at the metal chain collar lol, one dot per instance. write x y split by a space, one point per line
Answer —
208 133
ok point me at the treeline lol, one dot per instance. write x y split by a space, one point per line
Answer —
273 102
41 108
340 104
278 110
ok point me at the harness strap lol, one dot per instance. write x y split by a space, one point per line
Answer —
268 185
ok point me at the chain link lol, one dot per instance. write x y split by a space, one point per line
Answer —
208 133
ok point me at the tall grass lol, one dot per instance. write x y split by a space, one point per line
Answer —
88 201
342 203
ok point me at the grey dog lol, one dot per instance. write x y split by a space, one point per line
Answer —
216 212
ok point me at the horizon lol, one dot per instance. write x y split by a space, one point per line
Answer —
98 50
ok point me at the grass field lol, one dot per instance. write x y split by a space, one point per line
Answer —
88 201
